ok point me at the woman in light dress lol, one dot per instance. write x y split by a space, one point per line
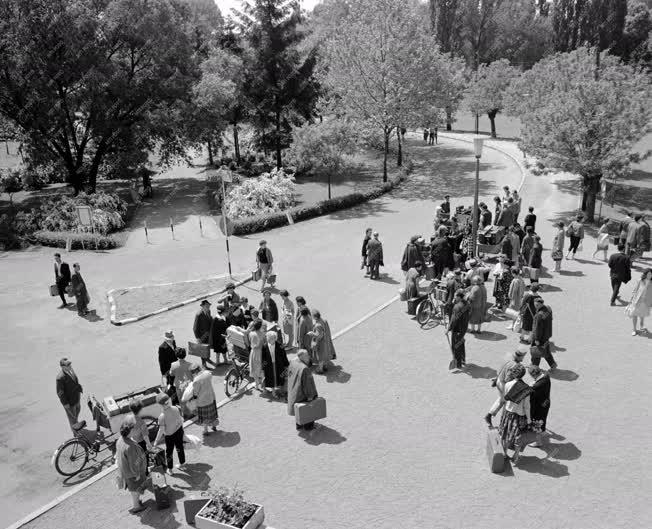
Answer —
639 306
257 340
603 240
557 250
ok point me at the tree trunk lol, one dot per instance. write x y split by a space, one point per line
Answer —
209 144
279 163
385 153
492 118
591 188
236 143
399 158
449 119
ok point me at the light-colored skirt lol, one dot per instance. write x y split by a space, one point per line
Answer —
256 363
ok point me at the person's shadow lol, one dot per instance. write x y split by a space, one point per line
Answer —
476 371
574 273
321 434
544 466
93 317
222 439
337 374
384 278
565 375
587 261
490 336
195 475
565 451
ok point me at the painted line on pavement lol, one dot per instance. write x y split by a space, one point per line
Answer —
126 321
51 505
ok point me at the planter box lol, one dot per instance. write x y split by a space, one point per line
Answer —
206 523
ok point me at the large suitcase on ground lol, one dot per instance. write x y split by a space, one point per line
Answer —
305 412
160 489
413 303
495 452
201 350
236 336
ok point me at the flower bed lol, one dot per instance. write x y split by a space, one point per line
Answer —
227 509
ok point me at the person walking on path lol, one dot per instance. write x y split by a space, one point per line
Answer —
301 303
170 428
256 341
620 271
441 253
541 334
536 259
426 134
204 394
631 240
132 464
623 228
304 327
375 256
639 305
557 250
301 384
530 219
457 327
515 244
61 278
603 240
321 342
218 334
287 318
79 290
201 327
411 254
575 232
502 274
539 401
432 136
500 381
527 312
69 391
516 417
264 260
516 292
268 309
367 237
167 355
477 298
412 279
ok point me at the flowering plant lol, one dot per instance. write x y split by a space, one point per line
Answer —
269 193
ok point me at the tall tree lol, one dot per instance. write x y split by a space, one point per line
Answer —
279 76
77 76
574 122
637 38
447 23
486 91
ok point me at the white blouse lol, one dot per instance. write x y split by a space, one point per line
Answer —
520 408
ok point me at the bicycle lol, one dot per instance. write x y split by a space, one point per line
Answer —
238 373
433 307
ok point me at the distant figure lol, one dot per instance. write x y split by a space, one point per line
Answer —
287 318
218 334
632 240
69 391
557 250
167 355
436 134
170 428
539 401
375 256
201 327
426 133
516 206
264 259
639 306
602 243
79 290
485 216
498 207
268 308
181 372
411 254
275 364
477 297
365 241
321 342
301 384
575 232
530 219
432 136
257 340
541 334
61 278
204 394
457 326
516 292
412 280
304 326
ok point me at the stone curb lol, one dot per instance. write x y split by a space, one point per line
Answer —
112 304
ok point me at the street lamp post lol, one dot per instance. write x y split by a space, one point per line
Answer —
477 147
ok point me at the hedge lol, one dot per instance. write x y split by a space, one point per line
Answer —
58 239
269 221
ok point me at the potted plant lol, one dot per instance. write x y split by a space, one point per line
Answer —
227 509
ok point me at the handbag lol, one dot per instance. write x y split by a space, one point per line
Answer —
201 350
54 290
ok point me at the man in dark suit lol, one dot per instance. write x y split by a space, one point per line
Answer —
457 326
620 271
167 354
61 278
218 334
530 219
69 391
201 328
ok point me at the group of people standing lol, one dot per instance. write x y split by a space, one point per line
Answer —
430 135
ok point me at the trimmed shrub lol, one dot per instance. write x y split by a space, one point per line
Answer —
57 239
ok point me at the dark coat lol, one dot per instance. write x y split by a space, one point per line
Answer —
485 218
374 252
542 325
281 365
364 246
166 355
410 256
218 335
202 327
63 279
459 322
441 253
506 247
530 220
506 217
527 311
69 389
620 267
540 400
268 312
535 256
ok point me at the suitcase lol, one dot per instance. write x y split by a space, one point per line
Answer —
413 303
236 337
201 350
402 294
495 452
54 290
271 279
305 412
161 490
430 272
256 274
511 313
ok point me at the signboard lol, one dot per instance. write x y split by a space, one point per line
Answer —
226 225
85 215
225 175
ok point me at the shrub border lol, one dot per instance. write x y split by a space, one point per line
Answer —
57 239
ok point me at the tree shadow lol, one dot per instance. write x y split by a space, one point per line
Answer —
195 475
222 439
321 434
565 375
490 336
372 208
545 466
337 374
476 371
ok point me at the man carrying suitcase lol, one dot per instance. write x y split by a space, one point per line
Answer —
301 385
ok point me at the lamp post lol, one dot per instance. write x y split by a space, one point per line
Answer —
477 148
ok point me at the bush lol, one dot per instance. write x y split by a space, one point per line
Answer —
9 237
269 221
57 239
10 182
269 193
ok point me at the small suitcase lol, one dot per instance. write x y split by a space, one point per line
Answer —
271 279
161 490
306 412
430 272
236 336
201 350
54 290
255 274
495 452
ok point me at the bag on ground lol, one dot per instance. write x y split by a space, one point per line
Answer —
306 412
495 452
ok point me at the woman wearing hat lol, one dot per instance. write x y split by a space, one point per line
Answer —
287 322
516 418
411 254
268 308
477 297
557 250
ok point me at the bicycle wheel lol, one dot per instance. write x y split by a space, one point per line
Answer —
71 457
424 311
232 382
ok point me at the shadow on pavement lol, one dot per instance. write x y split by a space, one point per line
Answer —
476 371
546 467
322 435
490 336
545 287
555 348
162 519
574 273
565 375
587 261
384 278
222 439
195 475
337 374
565 451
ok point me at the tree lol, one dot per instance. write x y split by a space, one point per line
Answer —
447 24
10 183
574 122
278 78
637 41
485 92
76 76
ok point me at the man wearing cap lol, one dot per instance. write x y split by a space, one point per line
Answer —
203 323
501 379
167 355
69 391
